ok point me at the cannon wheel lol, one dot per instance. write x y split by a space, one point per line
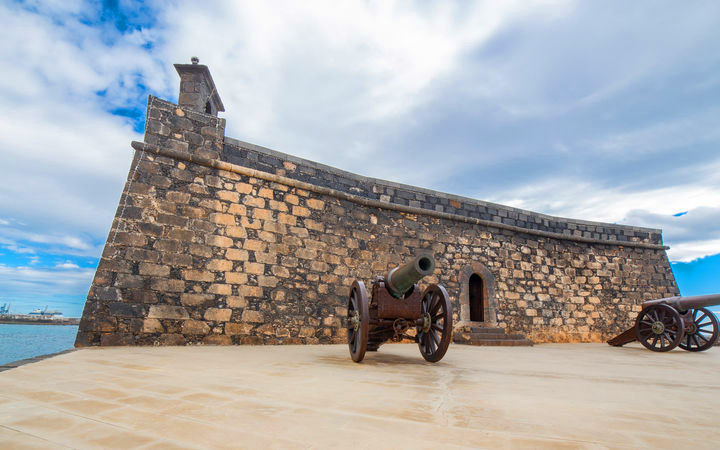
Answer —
659 328
435 334
703 333
358 321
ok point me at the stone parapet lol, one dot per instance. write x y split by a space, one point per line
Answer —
271 161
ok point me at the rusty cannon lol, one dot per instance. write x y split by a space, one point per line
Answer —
666 323
396 306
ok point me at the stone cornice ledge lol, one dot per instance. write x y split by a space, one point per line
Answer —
246 171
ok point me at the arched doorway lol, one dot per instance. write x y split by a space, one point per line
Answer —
477 299
477 295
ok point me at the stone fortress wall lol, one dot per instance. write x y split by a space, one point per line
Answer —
219 241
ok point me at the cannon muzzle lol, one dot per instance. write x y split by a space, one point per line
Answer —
402 278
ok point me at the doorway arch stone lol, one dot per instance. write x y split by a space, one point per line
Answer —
488 284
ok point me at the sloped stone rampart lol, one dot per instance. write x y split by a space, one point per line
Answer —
219 242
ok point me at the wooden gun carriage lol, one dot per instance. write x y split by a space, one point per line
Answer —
666 323
396 305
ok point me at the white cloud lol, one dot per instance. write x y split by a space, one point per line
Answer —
299 67
695 129
693 235
21 240
24 281
691 251
690 236
65 158
67 265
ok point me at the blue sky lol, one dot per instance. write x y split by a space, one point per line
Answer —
597 110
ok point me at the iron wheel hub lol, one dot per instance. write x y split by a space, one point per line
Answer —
427 322
355 320
658 327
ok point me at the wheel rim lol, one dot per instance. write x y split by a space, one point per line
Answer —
435 332
703 331
357 321
659 328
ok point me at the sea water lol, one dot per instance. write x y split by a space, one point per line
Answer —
26 341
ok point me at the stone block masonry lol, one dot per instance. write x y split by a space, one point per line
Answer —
217 241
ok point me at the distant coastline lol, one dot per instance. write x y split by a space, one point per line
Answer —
37 320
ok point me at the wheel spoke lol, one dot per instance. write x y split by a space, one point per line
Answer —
435 337
694 337
437 327
436 307
431 300
700 333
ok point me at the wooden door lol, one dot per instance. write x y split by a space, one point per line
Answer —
477 299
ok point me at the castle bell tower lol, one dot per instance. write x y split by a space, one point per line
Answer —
197 88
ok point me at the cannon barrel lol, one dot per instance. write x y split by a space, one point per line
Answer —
685 303
402 278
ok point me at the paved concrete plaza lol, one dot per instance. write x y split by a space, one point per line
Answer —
558 396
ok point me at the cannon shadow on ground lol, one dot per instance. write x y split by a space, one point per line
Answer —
376 359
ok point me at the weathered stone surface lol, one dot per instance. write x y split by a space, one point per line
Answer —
167 312
217 339
252 316
152 326
195 327
171 339
198 275
165 285
235 302
154 269
234 329
120 309
196 299
236 278
219 265
113 339
217 314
